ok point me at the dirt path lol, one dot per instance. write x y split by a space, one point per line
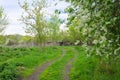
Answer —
67 70
69 66
39 70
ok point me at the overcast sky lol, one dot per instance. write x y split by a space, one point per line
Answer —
13 12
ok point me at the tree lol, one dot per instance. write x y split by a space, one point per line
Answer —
75 32
100 25
27 39
53 25
13 39
34 19
2 39
3 20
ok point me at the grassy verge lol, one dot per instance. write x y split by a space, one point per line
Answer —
83 67
88 68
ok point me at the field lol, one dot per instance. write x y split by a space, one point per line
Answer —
53 63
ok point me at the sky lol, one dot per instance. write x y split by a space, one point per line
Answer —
13 12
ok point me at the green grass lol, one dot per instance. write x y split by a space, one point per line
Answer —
30 62
8 70
55 71
83 67
25 64
16 62
10 53
88 68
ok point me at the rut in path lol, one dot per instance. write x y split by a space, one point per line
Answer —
69 66
67 70
39 70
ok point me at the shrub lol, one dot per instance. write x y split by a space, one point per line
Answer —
8 72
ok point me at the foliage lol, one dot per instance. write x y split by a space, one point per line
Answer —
3 20
74 32
2 39
34 19
8 72
13 39
53 25
100 26
27 39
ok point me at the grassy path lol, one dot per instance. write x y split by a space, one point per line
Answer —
67 70
52 63
55 71
69 65
38 71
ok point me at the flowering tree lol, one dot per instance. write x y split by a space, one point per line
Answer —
3 20
100 25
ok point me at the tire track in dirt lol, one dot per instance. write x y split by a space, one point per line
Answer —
38 71
69 66
67 70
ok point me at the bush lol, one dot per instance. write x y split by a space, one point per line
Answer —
8 72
